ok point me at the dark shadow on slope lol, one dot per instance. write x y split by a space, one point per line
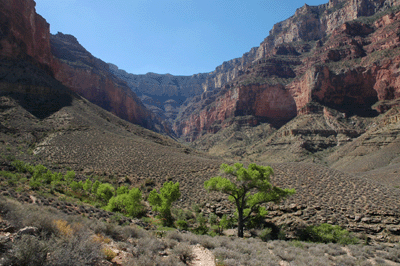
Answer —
33 88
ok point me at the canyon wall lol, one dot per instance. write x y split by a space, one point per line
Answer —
23 33
322 55
25 36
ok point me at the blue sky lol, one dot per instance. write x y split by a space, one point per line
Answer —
180 37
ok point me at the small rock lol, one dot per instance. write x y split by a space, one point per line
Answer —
29 230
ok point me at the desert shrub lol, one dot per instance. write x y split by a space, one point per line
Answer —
80 249
133 232
182 214
207 241
175 235
27 250
227 223
327 233
109 253
35 184
150 244
223 253
393 254
184 252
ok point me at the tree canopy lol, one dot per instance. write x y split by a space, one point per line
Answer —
248 189
161 202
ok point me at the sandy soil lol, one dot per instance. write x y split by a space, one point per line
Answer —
204 257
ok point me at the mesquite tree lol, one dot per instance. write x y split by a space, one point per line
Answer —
248 189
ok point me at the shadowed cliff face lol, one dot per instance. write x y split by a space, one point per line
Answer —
26 59
90 77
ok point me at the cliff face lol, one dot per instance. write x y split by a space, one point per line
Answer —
158 91
311 23
320 55
88 76
23 32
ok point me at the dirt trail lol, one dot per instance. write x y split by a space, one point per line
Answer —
204 257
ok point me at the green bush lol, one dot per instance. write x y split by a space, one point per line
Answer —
38 172
327 233
122 190
75 186
95 186
105 192
182 224
69 176
128 203
20 166
87 186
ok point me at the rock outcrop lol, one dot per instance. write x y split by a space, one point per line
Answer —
320 55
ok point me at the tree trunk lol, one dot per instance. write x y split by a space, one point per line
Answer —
240 222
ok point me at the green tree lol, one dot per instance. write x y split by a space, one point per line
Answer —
129 203
105 192
161 202
248 189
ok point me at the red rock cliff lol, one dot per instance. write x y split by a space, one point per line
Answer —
23 32
88 76
319 55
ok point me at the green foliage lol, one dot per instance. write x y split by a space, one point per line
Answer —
20 166
87 186
69 176
127 203
75 186
226 223
248 189
327 233
213 219
95 186
105 192
122 190
182 224
161 202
